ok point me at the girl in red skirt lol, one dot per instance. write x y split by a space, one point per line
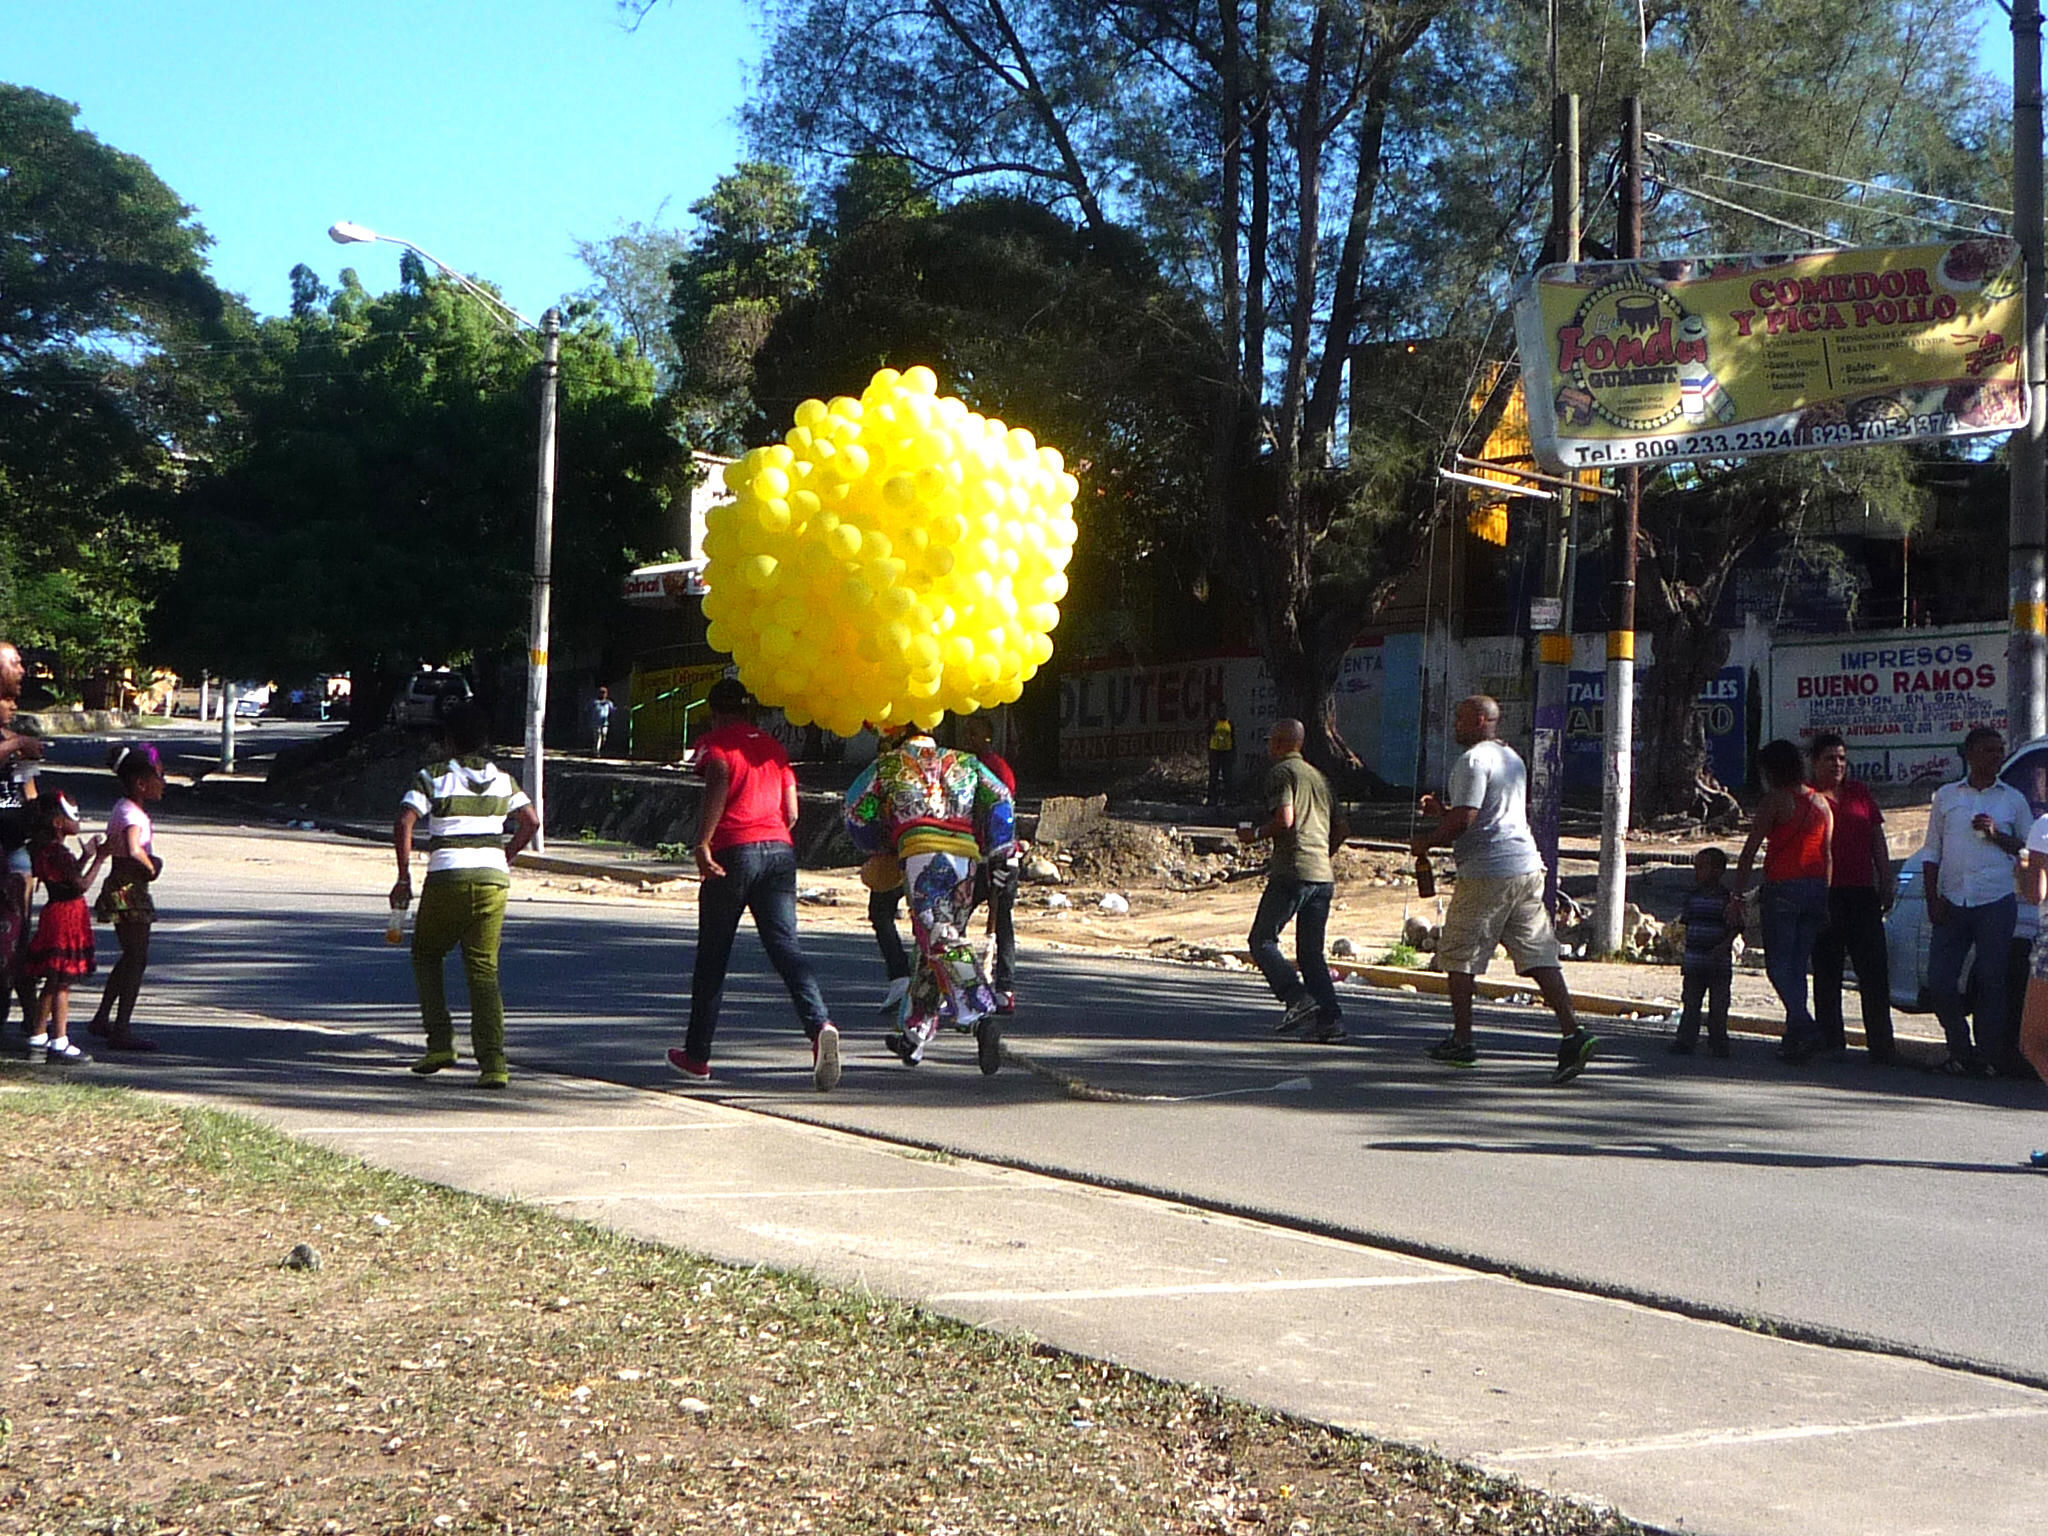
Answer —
62 950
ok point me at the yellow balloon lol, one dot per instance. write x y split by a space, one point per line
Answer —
896 555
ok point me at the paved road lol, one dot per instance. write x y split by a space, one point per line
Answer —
1845 1200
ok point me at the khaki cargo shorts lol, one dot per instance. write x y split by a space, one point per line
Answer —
1487 911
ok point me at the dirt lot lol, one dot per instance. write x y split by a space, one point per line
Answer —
455 1364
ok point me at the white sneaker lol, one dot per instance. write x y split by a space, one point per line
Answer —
825 1058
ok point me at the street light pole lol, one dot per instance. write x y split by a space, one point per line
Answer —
543 572
550 332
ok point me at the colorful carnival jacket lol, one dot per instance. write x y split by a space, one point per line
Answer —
917 797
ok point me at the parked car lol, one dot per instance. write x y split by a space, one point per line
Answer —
251 700
1906 929
427 697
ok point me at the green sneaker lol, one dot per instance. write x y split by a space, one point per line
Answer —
1573 1052
1453 1052
433 1062
494 1077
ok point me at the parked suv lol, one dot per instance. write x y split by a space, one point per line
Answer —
427 698
1906 928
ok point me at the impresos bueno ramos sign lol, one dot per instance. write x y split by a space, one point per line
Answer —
1901 701
1639 362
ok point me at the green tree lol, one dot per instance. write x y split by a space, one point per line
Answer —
378 510
1250 141
108 326
751 254
631 290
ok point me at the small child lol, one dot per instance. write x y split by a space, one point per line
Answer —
62 950
1708 965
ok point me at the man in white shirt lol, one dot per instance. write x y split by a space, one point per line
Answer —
1484 817
1976 828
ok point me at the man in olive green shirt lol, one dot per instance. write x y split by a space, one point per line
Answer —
1299 881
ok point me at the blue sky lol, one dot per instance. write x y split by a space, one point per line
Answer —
491 132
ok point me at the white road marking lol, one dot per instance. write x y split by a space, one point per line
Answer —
503 1130
1219 1288
1713 1439
693 1196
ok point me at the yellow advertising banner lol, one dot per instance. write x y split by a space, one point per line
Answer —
1717 357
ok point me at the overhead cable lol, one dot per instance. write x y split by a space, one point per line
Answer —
1722 202
1863 209
1847 181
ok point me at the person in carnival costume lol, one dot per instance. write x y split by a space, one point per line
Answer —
937 813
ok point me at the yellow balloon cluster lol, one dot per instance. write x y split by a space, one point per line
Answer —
893 558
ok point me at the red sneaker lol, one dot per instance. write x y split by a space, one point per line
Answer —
697 1071
1006 1003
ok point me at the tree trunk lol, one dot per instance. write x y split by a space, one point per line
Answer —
1672 744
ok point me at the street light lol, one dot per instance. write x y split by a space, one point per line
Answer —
550 332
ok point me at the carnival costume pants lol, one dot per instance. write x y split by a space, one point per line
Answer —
949 982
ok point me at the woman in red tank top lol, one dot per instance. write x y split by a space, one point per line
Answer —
1798 828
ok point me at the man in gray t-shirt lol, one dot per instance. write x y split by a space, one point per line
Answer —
1499 895
1497 843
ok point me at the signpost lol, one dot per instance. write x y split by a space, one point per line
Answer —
1650 362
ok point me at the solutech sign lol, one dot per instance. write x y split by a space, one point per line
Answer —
1893 698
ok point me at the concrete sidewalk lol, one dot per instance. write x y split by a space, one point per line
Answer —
1678 1423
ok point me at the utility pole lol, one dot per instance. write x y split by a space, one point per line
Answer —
543 574
2027 649
1554 633
229 694
1618 761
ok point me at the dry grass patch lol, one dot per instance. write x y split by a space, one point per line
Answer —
459 1364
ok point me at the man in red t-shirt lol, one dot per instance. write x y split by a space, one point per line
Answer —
747 863
1860 892
998 876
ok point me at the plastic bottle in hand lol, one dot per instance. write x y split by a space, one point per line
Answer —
394 927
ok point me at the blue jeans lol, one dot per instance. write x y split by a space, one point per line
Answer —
1307 904
759 878
1794 912
1988 930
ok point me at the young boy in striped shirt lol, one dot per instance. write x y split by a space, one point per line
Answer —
465 801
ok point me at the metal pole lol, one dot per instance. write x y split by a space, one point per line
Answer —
543 573
1620 704
1554 646
228 694
2027 649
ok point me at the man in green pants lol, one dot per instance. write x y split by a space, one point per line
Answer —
465 801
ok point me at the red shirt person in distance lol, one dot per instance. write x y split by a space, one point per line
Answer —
1859 895
746 862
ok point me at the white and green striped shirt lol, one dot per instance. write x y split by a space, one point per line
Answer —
462 805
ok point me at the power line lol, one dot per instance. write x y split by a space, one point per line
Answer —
1722 202
1864 209
1846 181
